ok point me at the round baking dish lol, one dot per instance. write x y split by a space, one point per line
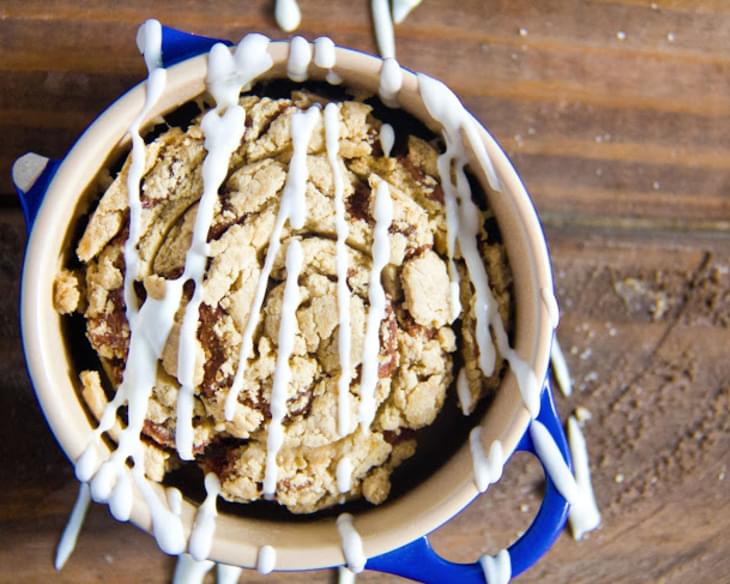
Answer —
393 535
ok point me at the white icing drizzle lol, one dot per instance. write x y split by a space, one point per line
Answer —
149 42
387 139
344 333
223 129
553 461
73 527
351 543
345 576
223 134
560 368
551 305
287 14
464 392
201 537
266 560
391 80
190 571
150 326
383 28
376 298
447 110
402 8
282 373
487 468
300 54
292 207
498 568
226 574
584 515
326 58
344 474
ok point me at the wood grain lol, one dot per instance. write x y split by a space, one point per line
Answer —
625 148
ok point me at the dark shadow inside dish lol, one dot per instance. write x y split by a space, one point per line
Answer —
436 444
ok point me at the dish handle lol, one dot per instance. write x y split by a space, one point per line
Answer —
178 45
31 174
420 562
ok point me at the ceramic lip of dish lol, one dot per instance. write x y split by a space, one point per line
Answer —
300 544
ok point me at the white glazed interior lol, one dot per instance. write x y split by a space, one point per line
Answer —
300 545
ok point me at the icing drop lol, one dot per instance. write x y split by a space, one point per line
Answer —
300 54
383 28
344 333
487 468
391 80
227 574
345 576
497 569
73 527
287 14
464 392
344 474
201 537
174 500
190 571
553 461
266 561
292 206
282 373
551 305
167 526
122 497
402 8
376 298
149 42
387 139
584 515
351 543
326 58
560 368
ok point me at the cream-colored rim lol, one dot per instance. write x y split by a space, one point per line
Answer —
300 545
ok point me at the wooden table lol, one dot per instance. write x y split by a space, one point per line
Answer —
617 114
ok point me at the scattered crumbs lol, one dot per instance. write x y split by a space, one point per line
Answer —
721 476
670 37
621 35
619 478
592 376
530 131
653 480
515 56
484 48
108 558
612 332
582 415
523 32
654 6
606 137
518 139
574 350
562 274
586 354
599 138
524 507
656 186
599 172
